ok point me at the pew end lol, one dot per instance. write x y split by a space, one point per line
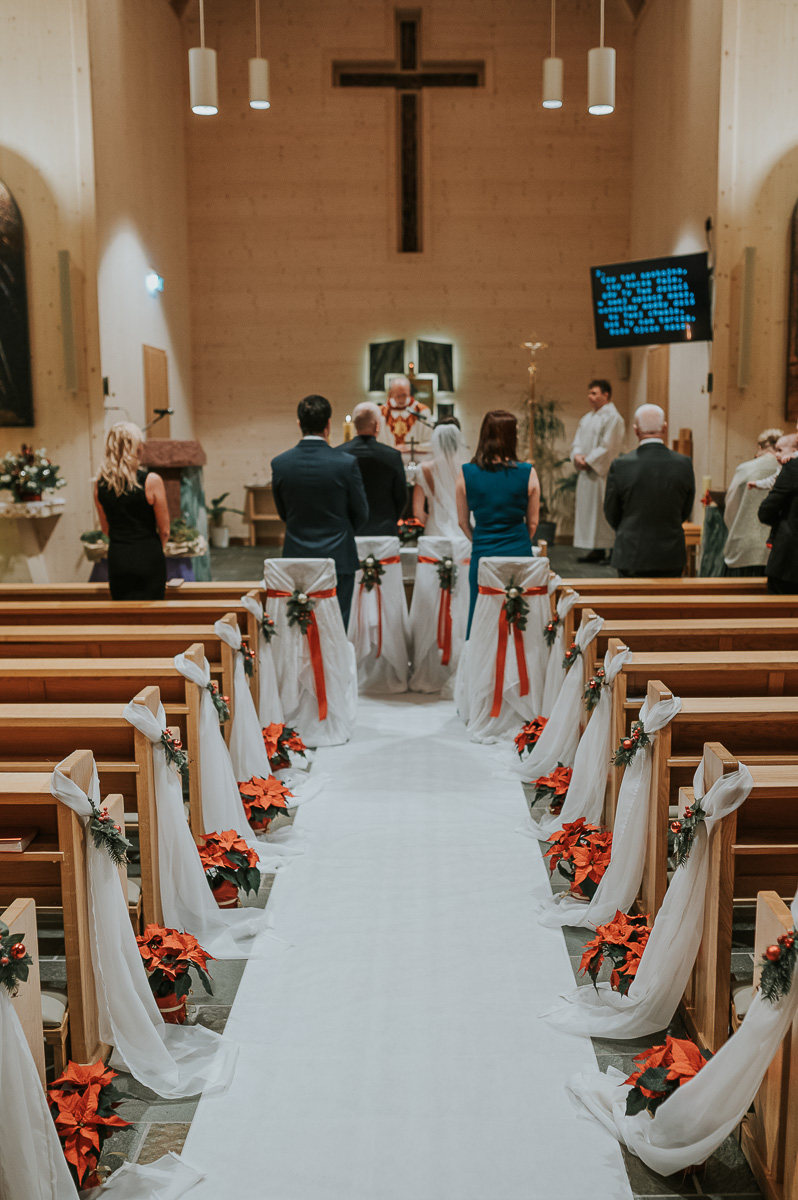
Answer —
228 673
568 628
20 917
150 900
195 655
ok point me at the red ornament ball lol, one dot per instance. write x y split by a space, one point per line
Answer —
773 953
627 743
4 961
18 950
676 826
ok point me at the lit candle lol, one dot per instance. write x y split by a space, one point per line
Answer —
349 428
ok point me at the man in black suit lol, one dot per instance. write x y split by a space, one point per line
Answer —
381 469
319 494
780 509
650 492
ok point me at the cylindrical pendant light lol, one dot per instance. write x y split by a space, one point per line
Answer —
258 71
552 71
601 76
202 74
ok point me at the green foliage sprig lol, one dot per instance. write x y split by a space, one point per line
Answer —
249 660
267 627
300 610
571 655
550 631
685 829
447 574
778 967
593 689
15 962
176 757
220 703
629 746
515 606
107 835
373 571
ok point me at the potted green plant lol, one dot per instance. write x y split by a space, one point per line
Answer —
220 534
184 540
95 544
547 431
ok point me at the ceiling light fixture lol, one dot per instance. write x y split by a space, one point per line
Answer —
202 74
601 76
258 71
552 71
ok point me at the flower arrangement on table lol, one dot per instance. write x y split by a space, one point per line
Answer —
168 956
554 787
622 941
281 741
229 865
82 1103
29 474
528 738
581 853
15 962
409 530
661 1071
263 800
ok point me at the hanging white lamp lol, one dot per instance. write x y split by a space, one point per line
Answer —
552 71
202 74
258 71
601 76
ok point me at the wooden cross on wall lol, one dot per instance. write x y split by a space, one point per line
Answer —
408 75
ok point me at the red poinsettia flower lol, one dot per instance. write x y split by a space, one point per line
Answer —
581 853
664 1069
217 848
530 734
82 1101
622 940
171 952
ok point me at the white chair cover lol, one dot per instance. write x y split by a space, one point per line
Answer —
295 677
378 621
32 1162
671 950
591 763
555 675
429 673
172 1060
621 881
560 738
221 800
186 899
247 750
270 708
476 673
701 1114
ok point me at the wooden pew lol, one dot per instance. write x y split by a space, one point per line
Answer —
52 870
769 1131
39 735
116 612
212 590
654 585
20 917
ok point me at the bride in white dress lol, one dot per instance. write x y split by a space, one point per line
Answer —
436 481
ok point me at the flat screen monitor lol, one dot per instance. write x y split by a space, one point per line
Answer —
652 301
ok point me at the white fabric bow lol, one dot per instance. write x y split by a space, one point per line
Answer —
621 881
172 1060
246 736
555 675
270 708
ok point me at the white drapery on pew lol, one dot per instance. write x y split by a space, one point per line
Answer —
221 800
555 675
270 708
172 1060
436 616
247 751
621 881
186 899
701 1114
480 664
669 955
296 678
378 620
32 1162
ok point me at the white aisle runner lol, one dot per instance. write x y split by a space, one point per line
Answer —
395 1052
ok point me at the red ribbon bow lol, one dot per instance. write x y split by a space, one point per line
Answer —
314 644
501 649
444 615
384 562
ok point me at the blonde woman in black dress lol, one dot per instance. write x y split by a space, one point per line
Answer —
131 503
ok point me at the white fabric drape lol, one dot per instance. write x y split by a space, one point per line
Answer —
429 673
560 738
292 657
476 673
172 1060
669 955
591 762
186 899
378 621
555 675
701 1114
270 708
247 750
437 478
221 800
621 881
32 1163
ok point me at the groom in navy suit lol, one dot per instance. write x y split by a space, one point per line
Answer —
319 494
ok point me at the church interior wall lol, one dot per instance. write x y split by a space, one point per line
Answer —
292 243
139 95
46 162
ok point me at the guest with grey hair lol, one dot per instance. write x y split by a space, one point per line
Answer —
746 549
650 493
381 469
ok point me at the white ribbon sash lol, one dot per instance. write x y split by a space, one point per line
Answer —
555 675
246 737
270 708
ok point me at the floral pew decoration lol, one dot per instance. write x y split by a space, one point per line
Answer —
661 1071
83 1102
528 738
553 788
581 853
270 706
282 742
622 941
15 962
230 866
246 748
263 800
168 958
555 640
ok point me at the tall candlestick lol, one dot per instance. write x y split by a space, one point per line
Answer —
349 428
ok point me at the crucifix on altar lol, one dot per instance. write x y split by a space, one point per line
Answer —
409 74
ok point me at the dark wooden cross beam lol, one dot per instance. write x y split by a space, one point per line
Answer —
408 75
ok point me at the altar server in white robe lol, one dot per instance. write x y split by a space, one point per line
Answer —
599 439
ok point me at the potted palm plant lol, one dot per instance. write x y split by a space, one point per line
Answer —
555 487
220 534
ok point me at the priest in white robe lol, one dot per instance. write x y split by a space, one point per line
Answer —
599 439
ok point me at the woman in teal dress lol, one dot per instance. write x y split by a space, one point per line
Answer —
502 494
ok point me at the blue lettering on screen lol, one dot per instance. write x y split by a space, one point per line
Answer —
632 303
